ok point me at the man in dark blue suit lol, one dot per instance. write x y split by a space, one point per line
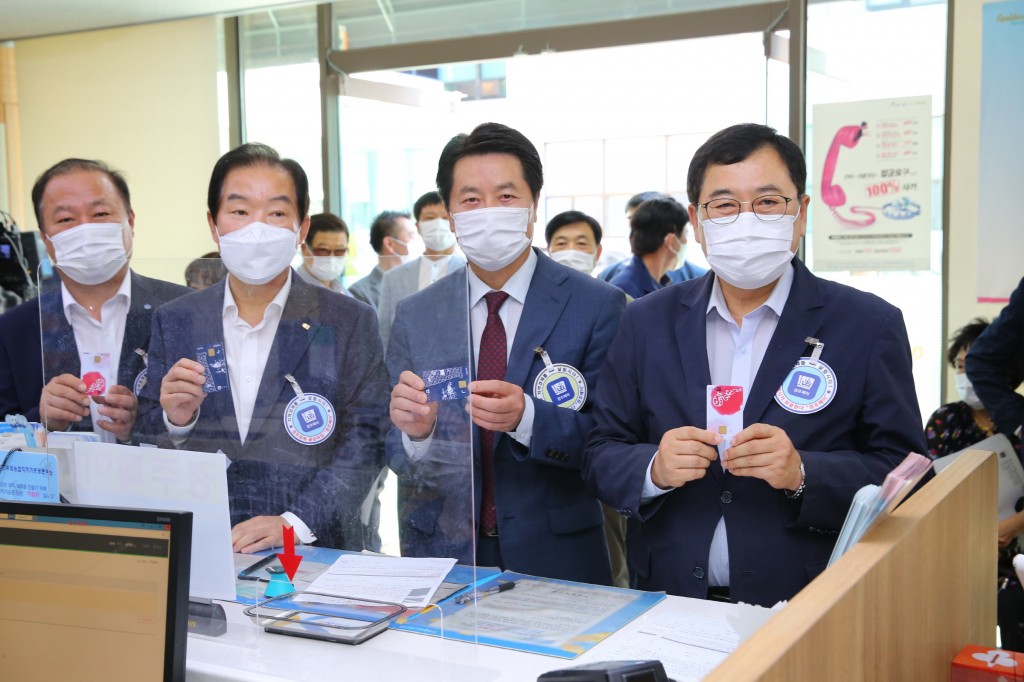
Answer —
686 271
285 378
1000 347
508 453
828 401
657 239
98 305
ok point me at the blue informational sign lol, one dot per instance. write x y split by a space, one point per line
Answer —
999 237
28 477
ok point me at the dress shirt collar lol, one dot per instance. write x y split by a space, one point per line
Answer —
274 308
776 300
516 287
124 292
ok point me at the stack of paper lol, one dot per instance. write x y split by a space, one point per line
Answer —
401 580
871 500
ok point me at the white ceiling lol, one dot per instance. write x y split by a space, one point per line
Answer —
34 18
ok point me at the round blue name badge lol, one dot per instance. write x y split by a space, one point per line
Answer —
559 383
809 387
309 419
562 385
140 382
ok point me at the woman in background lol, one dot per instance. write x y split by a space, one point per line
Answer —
959 425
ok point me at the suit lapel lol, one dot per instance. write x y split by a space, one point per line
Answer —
801 317
545 301
60 353
299 325
691 344
207 325
136 329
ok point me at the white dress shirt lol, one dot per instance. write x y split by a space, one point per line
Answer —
100 336
510 313
246 350
432 268
734 357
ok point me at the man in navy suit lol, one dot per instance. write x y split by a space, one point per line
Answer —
284 377
657 238
828 402
97 306
507 454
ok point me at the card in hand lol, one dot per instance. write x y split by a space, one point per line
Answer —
725 411
451 383
96 373
213 361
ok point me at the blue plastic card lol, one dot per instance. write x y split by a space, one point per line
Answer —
447 384
216 365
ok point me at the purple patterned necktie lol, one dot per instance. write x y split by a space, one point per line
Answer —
492 365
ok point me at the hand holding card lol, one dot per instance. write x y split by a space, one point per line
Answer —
725 412
410 409
181 391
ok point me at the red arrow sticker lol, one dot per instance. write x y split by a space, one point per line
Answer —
289 559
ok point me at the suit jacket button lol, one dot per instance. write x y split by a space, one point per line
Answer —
698 572
726 497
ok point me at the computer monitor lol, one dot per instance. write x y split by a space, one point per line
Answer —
19 262
93 593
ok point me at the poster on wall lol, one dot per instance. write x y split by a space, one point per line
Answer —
1001 144
871 199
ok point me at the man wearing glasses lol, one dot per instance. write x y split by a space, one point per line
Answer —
738 414
324 252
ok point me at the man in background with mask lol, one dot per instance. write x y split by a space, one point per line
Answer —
391 235
574 240
83 368
533 338
438 260
285 378
687 270
738 414
324 252
657 238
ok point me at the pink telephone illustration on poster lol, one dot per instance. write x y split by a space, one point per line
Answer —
871 190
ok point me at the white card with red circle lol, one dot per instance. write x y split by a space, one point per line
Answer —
725 411
96 373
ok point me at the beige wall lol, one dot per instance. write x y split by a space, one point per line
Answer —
965 116
143 99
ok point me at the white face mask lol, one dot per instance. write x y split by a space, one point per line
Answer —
750 253
577 260
258 252
326 268
680 254
91 253
492 238
413 250
437 234
966 391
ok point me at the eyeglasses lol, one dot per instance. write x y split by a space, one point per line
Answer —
767 208
327 252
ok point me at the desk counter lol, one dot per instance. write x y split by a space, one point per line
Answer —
247 653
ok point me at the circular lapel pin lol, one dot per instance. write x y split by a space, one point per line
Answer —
560 383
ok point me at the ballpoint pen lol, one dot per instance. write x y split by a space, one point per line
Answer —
474 595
